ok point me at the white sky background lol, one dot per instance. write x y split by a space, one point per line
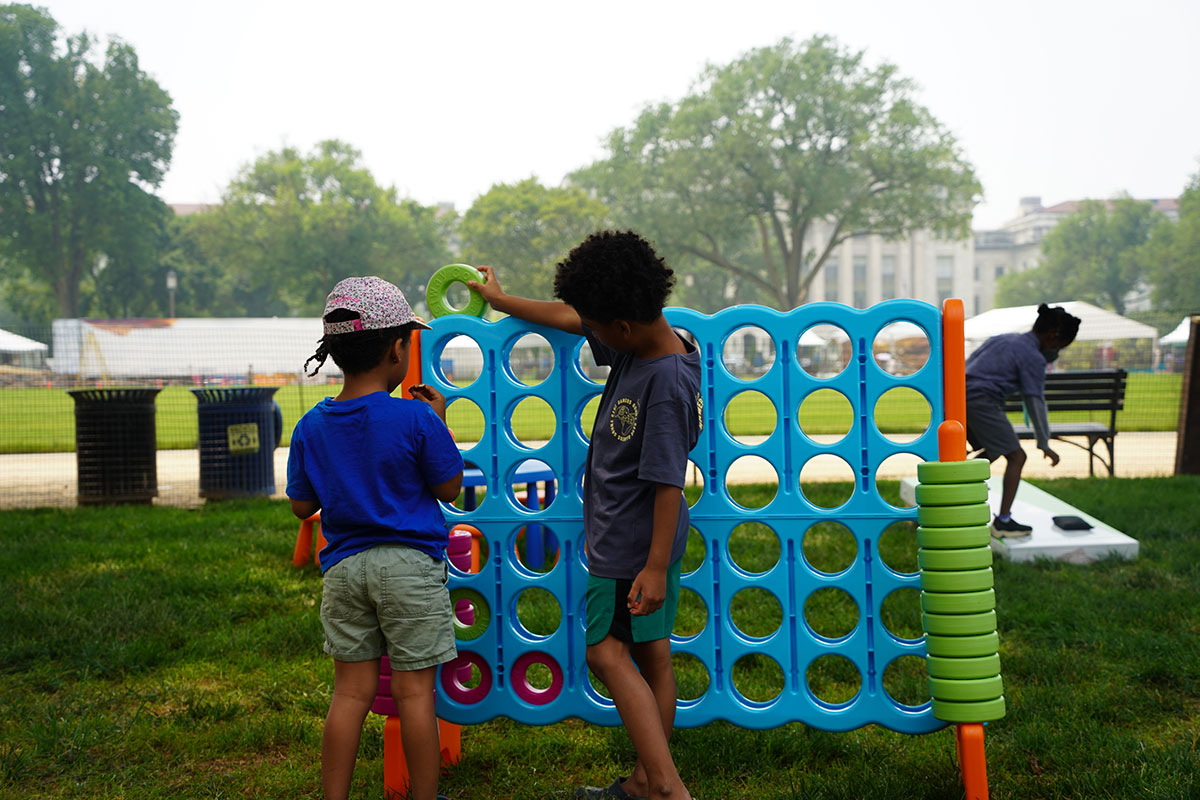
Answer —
1059 99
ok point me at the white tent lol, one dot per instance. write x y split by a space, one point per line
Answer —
1095 324
20 351
1181 333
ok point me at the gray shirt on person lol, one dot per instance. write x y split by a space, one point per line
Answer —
648 420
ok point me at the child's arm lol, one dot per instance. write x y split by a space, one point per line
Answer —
303 509
649 588
550 313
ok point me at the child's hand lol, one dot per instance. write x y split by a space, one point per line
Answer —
428 394
490 288
1053 456
648 593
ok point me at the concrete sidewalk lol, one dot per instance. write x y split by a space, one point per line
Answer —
49 479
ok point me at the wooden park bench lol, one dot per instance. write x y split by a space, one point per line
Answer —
1088 390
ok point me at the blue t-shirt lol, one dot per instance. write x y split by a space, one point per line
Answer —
648 419
370 462
1004 363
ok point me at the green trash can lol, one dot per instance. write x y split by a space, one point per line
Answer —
239 431
115 447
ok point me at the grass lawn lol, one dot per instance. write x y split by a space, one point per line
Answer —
43 420
175 653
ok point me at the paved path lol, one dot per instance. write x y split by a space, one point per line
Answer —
48 479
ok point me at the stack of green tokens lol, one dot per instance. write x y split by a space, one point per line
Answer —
957 599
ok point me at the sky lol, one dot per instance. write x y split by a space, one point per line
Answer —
1058 99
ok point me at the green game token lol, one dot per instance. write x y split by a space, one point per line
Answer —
976 469
959 624
969 580
963 669
982 711
440 283
954 538
954 516
963 646
958 602
483 614
967 691
951 494
967 558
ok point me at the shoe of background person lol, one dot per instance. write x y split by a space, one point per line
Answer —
1009 530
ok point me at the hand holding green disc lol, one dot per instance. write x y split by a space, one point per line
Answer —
440 283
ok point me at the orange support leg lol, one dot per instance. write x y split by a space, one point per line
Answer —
304 541
969 738
395 768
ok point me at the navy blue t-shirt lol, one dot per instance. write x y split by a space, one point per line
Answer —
370 462
648 420
1005 363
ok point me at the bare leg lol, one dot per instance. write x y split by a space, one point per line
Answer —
354 686
1014 462
653 660
413 693
638 707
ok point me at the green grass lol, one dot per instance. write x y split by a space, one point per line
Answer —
173 653
43 420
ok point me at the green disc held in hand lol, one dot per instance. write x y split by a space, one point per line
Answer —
975 469
958 602
439 284
967 580
959 624
954 516
982 711
963 646
967 558
951 494
966 691
963 669
954 538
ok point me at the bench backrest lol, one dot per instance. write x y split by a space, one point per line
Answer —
1086 390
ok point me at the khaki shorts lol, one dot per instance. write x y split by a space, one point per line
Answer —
393 599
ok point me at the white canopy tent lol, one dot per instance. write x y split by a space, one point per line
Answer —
1095 325
17 350
1181 333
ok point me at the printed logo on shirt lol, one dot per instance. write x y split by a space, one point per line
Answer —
700 410
623 420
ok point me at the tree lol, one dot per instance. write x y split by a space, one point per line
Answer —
291 225
1095 254
525 229
774 160
82 145
1173 254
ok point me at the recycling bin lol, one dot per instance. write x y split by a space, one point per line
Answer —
239 431
115 447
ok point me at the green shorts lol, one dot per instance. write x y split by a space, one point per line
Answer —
393 599
608 612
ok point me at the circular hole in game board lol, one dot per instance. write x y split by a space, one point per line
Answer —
825 416
898 546
833 679
901 348
539 676
754 547
693 484
906 681
900 613
827 481
748 352
459 361
536 548
902 414
751 482
598 689
587 417
750 417
829 547
465 421
889 474
824 350
758 678
532 421
831 612
692 616
588 366
694 553
530 359
537 611
691 676
471 613
755 612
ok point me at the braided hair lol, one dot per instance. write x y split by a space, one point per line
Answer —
358 351
1058 320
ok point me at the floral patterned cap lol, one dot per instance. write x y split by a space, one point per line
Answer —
379 305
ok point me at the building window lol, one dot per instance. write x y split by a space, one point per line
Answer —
831 280
860 282
945 277
887 275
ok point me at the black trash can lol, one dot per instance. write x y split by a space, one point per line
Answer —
239 431
115 446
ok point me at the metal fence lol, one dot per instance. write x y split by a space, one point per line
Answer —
183 360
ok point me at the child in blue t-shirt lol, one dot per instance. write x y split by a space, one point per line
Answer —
613 287
375 466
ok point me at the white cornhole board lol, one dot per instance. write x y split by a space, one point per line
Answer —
1038 508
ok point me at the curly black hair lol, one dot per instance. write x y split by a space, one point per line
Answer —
614 275
1057 319
358 351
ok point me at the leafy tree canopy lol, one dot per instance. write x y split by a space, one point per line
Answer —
1174 255
775 159
83 142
